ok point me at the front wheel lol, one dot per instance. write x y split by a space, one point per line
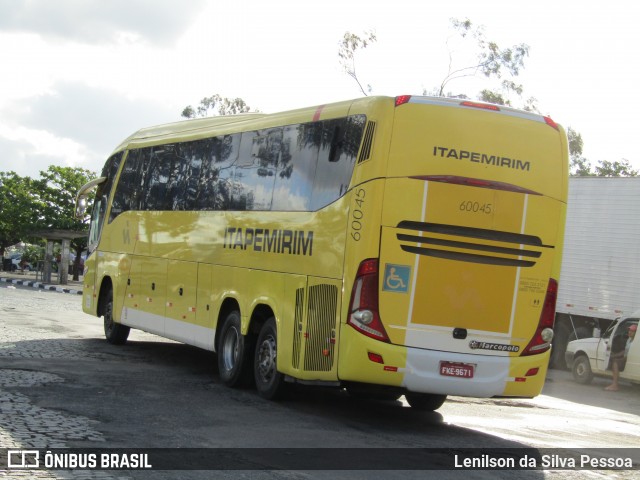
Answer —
425 401
582 370
269 382
115 333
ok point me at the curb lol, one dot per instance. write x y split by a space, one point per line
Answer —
41 286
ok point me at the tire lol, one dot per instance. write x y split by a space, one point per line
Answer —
582 370
115 333
269 382
234 353
427 402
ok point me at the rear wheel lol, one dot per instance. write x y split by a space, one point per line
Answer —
234 352
425 401
115 333
582 370
269 382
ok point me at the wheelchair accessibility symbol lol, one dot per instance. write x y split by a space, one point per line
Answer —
396 278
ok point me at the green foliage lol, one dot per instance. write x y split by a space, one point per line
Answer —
622 168
18 209
32 253
216 105
581 167
56 191
491 61
347 49
28 205
576 144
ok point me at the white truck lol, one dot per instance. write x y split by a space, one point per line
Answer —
600 277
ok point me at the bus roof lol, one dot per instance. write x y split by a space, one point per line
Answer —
185 127
212 126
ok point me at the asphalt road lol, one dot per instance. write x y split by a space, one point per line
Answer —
63 386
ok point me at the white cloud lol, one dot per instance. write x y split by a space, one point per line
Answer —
93 72
155 21
34 150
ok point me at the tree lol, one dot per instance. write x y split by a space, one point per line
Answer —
18 210
490 60
216 105
578 165
349 45
56 192
581 167
620 168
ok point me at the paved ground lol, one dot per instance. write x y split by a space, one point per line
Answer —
62 385
33 280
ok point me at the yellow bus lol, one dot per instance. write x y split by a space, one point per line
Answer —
390 246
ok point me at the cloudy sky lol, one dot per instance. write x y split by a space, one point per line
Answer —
78 76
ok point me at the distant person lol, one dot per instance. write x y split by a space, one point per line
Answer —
619 358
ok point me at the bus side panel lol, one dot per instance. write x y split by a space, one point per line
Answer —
145 300
180 306
204 306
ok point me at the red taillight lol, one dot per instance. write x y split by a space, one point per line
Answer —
541 341
363 308
484 106
402 99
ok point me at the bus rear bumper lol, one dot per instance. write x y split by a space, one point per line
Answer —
420 370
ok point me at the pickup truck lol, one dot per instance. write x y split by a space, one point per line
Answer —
587 357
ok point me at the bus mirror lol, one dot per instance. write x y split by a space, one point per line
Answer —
81 198
81 206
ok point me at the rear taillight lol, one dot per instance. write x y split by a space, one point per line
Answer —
541 341
363 308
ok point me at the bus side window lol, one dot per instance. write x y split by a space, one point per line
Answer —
157 175
208 150
255 169
127 190
222 172
337 159
297 167
193 154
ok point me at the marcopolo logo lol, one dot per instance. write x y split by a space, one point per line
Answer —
500 347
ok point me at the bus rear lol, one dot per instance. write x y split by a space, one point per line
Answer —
472 219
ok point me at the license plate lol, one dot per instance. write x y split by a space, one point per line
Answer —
452 369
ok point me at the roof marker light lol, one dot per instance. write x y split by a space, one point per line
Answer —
485 106
402 99
551 123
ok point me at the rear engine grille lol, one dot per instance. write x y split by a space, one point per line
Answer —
321 324
459 249
297 328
